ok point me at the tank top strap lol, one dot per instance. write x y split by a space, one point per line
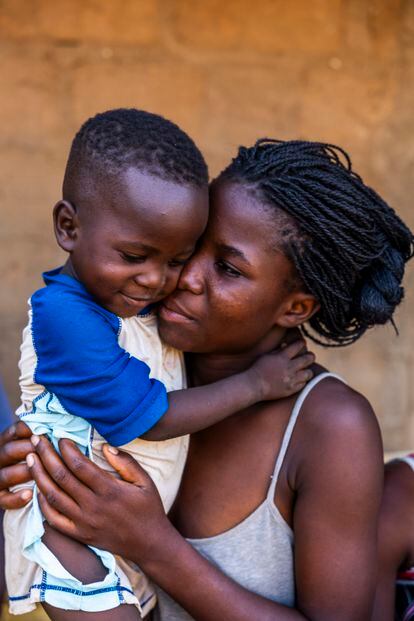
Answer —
291 426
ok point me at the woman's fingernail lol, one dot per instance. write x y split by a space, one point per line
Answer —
26 494
35 440
30 460
113 450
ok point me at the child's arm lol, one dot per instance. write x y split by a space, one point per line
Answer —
272 376
80 361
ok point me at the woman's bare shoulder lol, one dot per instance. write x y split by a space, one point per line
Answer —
338 425
334 407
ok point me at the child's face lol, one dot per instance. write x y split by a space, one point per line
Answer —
132 238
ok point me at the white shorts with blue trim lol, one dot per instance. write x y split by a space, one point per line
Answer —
44 579
34 574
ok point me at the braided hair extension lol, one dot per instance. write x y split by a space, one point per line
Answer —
349 247
116 140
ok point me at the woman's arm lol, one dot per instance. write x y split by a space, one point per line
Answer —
339 487
335 526
95 500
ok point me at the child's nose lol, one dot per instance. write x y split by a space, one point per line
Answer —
152 279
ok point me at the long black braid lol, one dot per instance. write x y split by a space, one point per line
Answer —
349 246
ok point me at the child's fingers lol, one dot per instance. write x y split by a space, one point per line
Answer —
54 495
291 336
56 519
303 361
126 466
293 349
303 377
15 500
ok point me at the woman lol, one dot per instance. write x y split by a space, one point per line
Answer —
279 504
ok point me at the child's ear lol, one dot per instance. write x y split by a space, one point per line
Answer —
298 309
66 225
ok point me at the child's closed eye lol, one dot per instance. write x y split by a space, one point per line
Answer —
133 258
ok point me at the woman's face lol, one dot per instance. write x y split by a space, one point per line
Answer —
234 289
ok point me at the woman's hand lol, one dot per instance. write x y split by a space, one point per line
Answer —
83 501
15 445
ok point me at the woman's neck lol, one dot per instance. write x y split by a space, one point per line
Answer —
208 368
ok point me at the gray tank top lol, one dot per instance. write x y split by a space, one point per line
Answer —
257 553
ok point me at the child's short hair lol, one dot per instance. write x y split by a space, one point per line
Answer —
113 141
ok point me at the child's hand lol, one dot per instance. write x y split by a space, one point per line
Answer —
283 372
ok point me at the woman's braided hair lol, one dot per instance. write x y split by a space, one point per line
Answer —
349 247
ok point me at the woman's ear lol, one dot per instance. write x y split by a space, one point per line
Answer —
66 225
297 310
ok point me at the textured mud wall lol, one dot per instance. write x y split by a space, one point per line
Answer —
227 72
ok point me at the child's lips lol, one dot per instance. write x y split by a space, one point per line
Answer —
137 300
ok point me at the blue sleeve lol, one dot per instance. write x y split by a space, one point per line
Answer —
80 361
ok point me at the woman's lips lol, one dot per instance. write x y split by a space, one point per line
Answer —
172 312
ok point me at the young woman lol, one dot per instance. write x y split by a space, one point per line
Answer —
276 516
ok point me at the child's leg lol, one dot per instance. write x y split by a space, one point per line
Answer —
82 563
126 612
76 558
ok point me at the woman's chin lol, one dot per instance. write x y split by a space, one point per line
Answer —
175 335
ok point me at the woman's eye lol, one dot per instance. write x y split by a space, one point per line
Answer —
133 258
223 266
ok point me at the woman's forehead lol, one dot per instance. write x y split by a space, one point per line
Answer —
238 214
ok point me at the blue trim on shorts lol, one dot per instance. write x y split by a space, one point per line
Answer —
51 587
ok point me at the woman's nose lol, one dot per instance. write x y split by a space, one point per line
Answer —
191 278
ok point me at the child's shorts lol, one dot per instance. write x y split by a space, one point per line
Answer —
34 574
30 582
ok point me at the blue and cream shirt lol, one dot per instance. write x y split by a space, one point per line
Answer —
91 376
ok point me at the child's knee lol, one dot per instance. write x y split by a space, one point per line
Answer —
79 560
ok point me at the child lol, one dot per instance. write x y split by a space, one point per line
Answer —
135 201
395 577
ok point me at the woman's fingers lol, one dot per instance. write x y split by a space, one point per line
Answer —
83 468
16 500
16 431
55 496
126 466
14 451
14 475
56 519
58 470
